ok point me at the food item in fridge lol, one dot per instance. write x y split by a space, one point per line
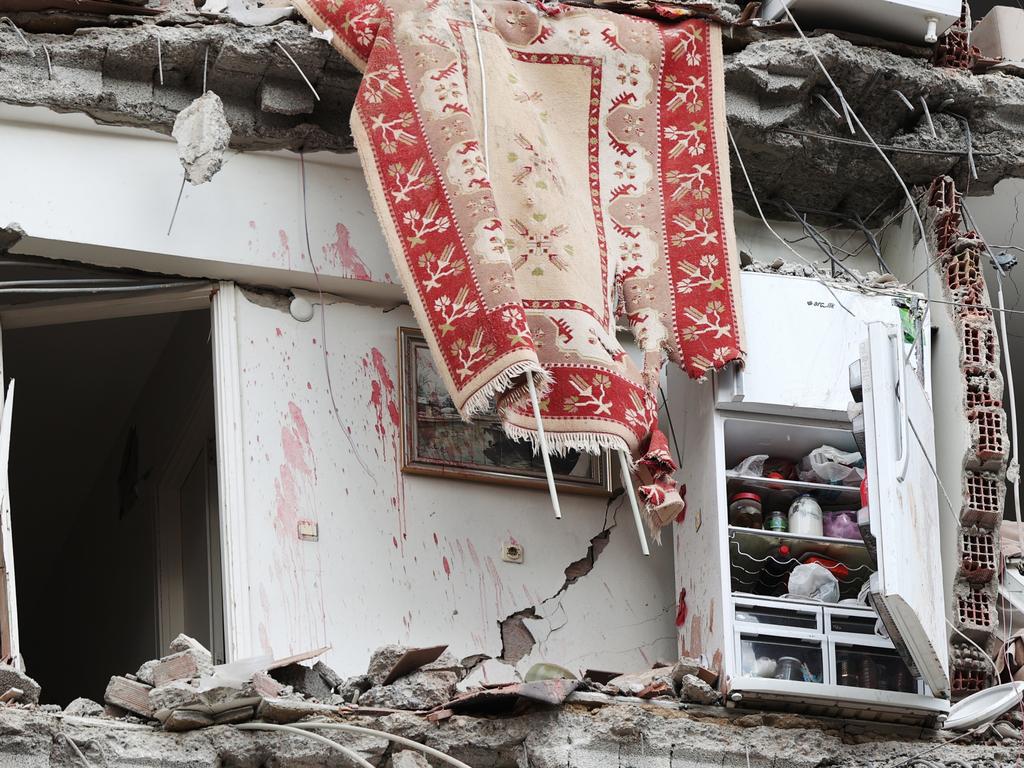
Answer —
841 524
814 581
831 466
805 516
745 510
752 466
777 521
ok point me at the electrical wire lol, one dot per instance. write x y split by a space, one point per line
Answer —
350 754
436 754
760 211
853 115
323 323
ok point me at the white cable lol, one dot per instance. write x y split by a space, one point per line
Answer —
888 162
483 90
542 440
385 735
627 485
995 670
351 755
780 238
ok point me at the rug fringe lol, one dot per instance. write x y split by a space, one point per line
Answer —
501 385
560 443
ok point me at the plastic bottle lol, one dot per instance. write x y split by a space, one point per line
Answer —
776 569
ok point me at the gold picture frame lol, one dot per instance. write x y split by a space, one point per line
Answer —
437 442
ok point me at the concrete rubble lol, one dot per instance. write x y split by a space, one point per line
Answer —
793 146
203 134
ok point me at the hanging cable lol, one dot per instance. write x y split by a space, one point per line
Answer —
350 754
436 754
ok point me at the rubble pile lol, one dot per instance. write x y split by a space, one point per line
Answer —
183 690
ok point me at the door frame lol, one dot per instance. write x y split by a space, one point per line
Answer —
220 298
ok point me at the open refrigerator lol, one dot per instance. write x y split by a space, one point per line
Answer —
811 352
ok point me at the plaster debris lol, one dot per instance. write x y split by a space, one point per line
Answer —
145 672
82 707
407 758
304 680
12 678
203 135
422 690
692 688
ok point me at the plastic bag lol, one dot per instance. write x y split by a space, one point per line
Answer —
752 466
830 465
234 674
814 581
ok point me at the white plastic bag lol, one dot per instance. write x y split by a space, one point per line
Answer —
814 581
830 465
752 466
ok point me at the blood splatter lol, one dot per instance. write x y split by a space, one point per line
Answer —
681 610
342 255
447 567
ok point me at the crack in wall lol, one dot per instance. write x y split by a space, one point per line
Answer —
517 641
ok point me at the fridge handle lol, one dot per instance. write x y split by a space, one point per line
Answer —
903 462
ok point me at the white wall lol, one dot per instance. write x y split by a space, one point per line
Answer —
403 558
106 196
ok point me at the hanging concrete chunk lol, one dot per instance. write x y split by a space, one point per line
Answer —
203 134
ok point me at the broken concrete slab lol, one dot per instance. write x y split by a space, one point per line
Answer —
490 672
10 677
419 691
187 720
129 695
203 135
284 711
353 687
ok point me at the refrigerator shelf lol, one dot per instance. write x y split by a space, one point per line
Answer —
757 544
847 493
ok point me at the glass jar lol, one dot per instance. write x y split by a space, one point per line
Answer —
745 510
805 516
776 521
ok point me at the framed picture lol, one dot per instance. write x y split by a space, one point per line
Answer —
436 441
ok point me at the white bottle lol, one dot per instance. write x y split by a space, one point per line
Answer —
805 517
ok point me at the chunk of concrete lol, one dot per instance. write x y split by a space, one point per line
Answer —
330 677
145 673
693 689
203 134
407 758
489 672
419 691
687 666
352 688
174 695
184 665
12 678
304 680
392 661
640 683
82 707
187 720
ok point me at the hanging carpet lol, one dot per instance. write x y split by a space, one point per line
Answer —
539 170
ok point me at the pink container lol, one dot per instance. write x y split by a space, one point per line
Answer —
840 525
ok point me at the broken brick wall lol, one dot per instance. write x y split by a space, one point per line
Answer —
978 494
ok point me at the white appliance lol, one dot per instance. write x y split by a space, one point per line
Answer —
887 661
915 21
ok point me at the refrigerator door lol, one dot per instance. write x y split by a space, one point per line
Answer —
798 363
904 506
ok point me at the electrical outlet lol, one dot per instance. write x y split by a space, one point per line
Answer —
511 552
309 530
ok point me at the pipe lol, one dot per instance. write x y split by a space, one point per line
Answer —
627 484
385 735
355 758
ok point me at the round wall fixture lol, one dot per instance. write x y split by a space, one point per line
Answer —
301 309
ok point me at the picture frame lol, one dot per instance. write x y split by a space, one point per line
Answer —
437 442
